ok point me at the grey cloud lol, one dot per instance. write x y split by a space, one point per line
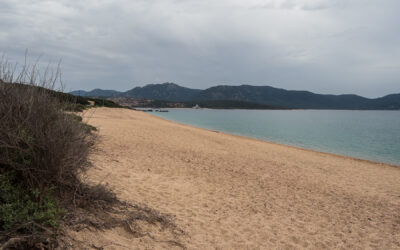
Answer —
323 5
329 46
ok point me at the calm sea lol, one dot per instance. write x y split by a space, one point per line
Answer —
370 135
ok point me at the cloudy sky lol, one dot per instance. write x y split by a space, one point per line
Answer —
325 46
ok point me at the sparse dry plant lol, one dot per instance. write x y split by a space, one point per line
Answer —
45 146
43 152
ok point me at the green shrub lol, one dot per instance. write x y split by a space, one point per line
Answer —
86 127
104 103
24 209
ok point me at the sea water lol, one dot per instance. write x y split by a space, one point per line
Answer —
370 135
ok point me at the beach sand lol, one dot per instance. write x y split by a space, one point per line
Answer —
230 192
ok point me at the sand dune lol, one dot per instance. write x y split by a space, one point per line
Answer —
229 192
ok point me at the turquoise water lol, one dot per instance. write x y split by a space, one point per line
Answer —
370 135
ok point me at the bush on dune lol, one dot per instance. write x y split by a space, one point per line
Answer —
43 154
44 151
43 145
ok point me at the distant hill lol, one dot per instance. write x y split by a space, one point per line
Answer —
281 97
265 95
217 104
297 99
96 93
164 91
387 102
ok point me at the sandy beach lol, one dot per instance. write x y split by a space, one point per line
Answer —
230 192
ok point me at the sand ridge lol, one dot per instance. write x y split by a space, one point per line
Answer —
229 192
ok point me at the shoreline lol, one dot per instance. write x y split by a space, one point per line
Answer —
288 109
281 144
141 109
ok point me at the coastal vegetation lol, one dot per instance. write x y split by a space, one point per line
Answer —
43 153
44 149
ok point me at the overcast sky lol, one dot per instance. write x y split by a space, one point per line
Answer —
325 46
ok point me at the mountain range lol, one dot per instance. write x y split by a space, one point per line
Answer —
266 95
